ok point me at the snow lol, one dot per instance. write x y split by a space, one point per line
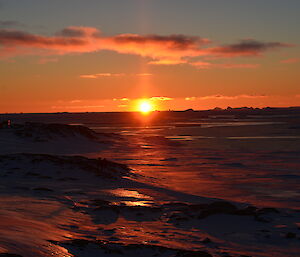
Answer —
51 139
64 206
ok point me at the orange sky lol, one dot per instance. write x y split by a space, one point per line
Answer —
60 66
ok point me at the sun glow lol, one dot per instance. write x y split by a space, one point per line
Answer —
145 106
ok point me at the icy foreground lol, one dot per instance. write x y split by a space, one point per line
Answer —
74 206
55 205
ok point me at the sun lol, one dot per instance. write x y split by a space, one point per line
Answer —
145 107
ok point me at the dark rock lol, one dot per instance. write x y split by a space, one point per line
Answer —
225 254
194 254
100 202
206 241
45 189
109 232
22 188
235 164
10 255
81 243
113 208
261 219
267 211
197 207
290 235
119 248
29 173
248 211
45 177
113 238
220 207
41 132
67 179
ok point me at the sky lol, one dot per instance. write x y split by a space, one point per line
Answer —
96 55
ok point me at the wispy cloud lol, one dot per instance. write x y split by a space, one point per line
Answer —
238 66
153 98
75 101
161 98
123 99
247 47
99 75
223 97
47 60
105 75
290 60
169 61
144 74
88 76
10 23
79 32
190 98
208 65
79 107
160 49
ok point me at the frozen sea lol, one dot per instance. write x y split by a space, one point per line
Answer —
243 156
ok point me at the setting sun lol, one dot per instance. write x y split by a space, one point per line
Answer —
144 128
145 107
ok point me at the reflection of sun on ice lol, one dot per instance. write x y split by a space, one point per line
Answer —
145 107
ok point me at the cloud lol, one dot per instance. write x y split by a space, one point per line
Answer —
290 61
9 23
161 98
159 49
76 107
237 66
123 99
207 65
88 76
75 101
99 75
191 98
168 49
167 62
88 39
202 65
15 38
247 47
144 74
153 98
180 42
79 32
47 60
232 97
224 97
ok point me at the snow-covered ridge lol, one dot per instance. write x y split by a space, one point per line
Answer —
99 167
52 139
44 132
